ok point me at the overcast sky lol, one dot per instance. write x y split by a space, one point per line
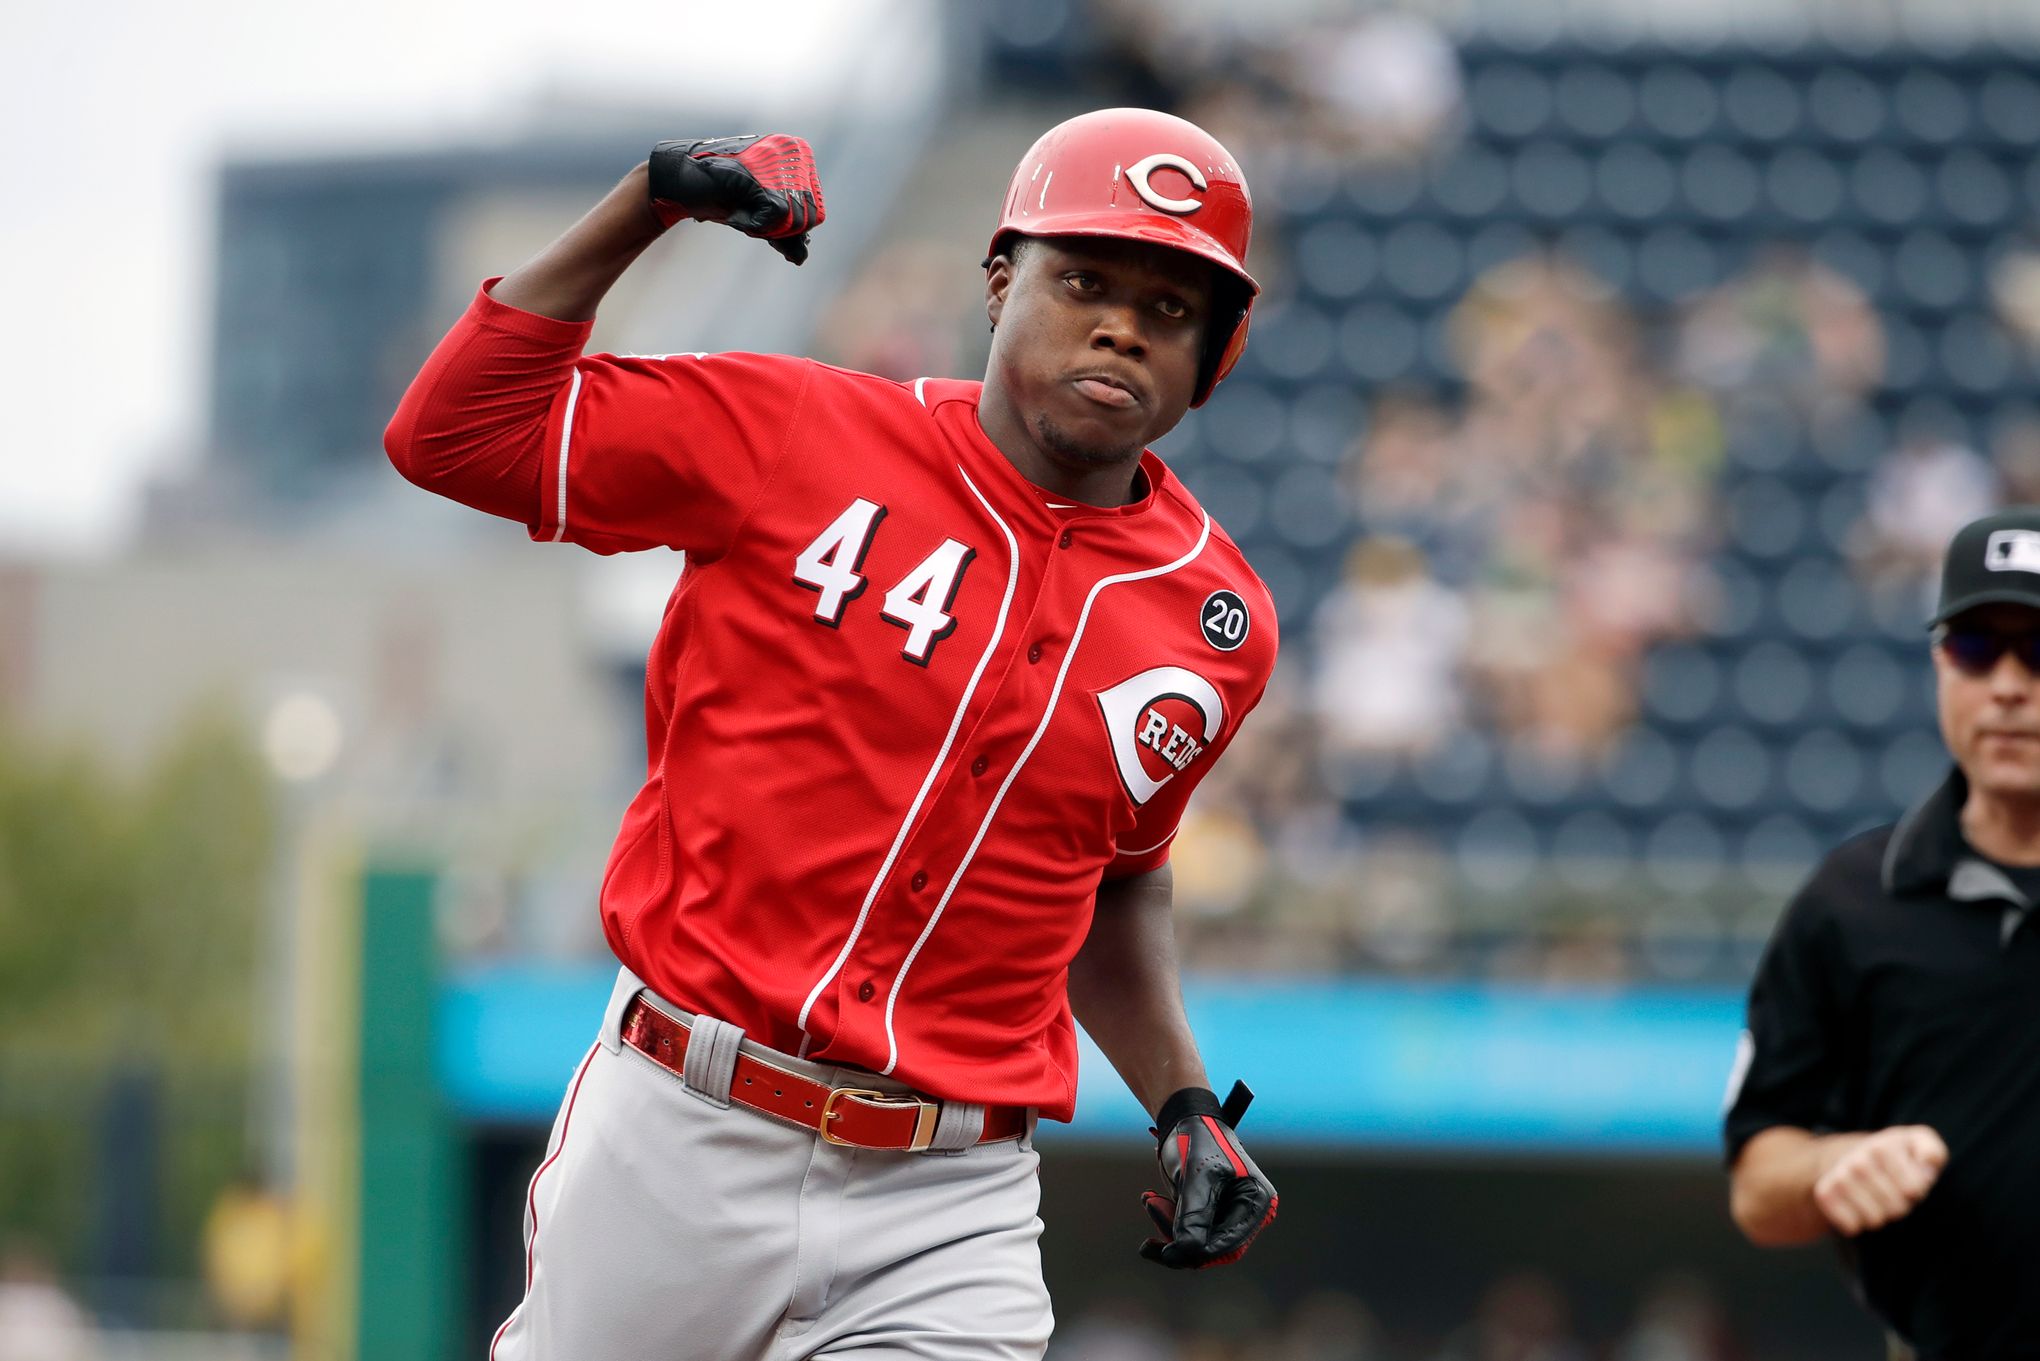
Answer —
117 113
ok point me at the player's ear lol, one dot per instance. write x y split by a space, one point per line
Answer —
998 282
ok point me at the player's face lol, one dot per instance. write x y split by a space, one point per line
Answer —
1990 698
1096 343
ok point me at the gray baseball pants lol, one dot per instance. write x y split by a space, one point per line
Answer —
667 1225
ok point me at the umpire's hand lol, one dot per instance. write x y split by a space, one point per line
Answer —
764 186
1218 1199
1879 1178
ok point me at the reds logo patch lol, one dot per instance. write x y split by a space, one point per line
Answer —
1159 722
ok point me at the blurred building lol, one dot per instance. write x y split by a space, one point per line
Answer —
435 676
334 273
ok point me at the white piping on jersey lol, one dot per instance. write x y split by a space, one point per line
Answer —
1150 850
941 757
567 428
921 396
566 443
1054 696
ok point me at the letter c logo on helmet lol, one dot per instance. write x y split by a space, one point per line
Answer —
1095 176
1137 176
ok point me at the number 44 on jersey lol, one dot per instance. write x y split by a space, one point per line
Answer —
832 567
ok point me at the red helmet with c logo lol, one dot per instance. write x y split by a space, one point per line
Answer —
1143 175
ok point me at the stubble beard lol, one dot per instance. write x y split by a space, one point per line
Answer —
1066 448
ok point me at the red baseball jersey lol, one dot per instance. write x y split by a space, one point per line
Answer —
905 710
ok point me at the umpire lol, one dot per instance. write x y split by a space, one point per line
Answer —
1888 1087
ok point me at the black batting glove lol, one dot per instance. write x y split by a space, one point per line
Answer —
1218 1199
764 186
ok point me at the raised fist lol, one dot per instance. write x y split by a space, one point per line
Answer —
763 185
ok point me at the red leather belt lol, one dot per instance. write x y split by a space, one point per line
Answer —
857 1116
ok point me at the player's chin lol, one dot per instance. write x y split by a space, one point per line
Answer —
1086 440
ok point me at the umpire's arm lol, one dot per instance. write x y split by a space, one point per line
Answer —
1126 990
1798 1168
1791 1186
1785 1096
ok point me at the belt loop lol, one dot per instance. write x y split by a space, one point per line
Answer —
711 1059
958 1126
628 985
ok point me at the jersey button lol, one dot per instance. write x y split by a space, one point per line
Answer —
865 991
1065 540
1034 653
919 881
980 766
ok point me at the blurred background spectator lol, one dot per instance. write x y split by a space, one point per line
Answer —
39 1321
1391 641
1376 85
1924 490
1679 1320
1522 1317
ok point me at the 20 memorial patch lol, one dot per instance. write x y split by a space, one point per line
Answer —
1224 620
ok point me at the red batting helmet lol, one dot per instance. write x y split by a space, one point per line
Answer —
1140 175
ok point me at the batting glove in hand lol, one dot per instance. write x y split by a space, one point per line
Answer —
764 186
1221 1200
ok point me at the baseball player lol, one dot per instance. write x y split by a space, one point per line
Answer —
922 715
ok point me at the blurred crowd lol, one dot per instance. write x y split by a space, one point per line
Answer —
1519 549
1521 1316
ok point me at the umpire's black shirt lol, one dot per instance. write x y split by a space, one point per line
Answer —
1903 988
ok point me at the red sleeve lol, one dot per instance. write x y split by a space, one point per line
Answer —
612 453
472 424
666 450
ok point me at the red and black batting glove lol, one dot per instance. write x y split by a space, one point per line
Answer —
764 186
1220 1200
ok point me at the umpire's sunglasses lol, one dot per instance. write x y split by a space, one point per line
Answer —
1975 651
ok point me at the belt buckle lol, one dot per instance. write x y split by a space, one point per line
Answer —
924 1123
